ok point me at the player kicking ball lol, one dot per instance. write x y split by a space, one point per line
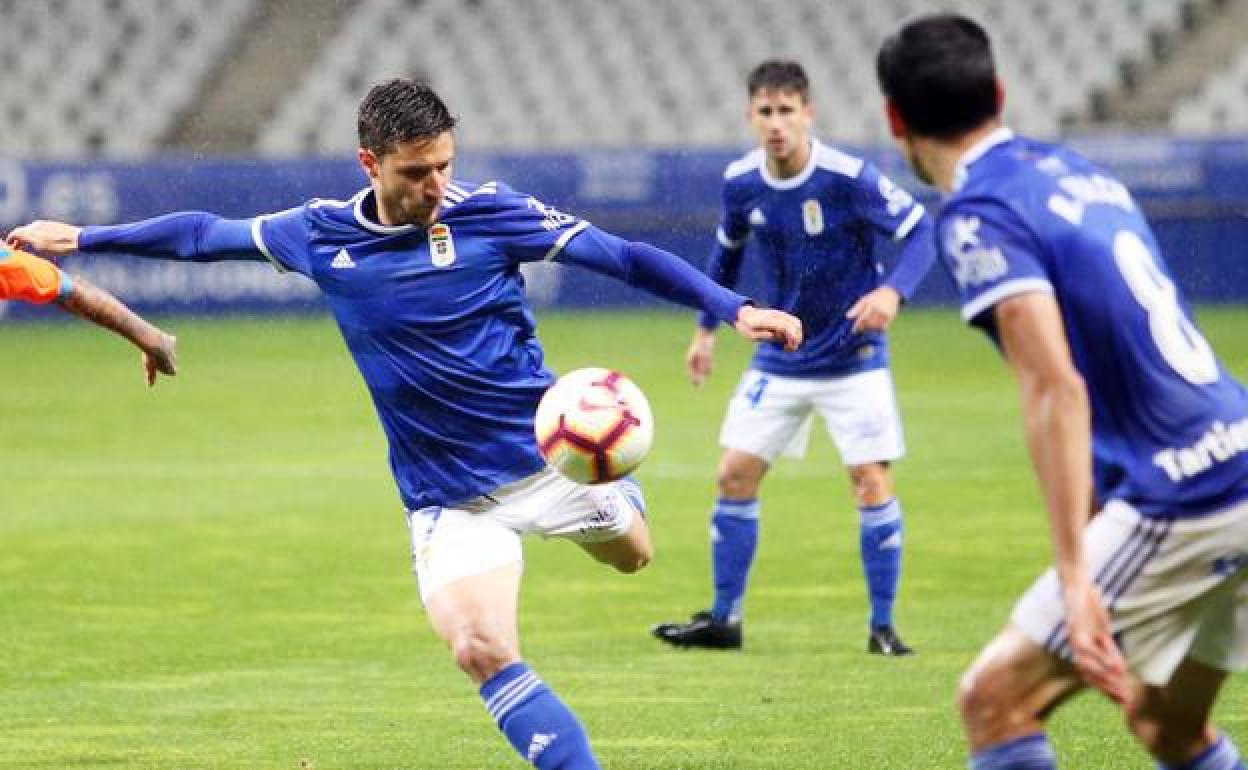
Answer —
814 213
421 272
1123 401
28 278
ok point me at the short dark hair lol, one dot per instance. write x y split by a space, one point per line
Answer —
779 75
938 72
400 110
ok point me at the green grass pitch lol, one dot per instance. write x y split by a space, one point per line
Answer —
214 574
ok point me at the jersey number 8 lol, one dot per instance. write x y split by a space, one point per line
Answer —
1177 338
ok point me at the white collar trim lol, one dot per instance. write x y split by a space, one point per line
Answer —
797 180
999 136
369 224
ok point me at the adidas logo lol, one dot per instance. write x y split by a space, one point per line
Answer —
539 743
342 260
891 542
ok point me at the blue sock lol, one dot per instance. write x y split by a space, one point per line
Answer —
734 538
1222 755
879 543
537 724
1031 752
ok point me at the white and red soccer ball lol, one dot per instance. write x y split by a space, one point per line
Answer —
594 425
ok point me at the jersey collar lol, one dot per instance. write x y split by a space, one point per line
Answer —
797 180
362 219
978 150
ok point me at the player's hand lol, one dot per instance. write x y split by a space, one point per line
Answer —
45 237
1097 657
161 358
875 310
701 354
773 325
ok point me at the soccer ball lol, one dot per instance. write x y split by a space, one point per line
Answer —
594 425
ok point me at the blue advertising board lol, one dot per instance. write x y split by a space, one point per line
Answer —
1195 192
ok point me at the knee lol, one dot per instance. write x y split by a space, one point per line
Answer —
736 483
979 701
872 483
480 653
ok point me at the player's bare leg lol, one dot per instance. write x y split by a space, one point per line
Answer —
476 617
1173 721
629 552
734 537
880 548
1006 694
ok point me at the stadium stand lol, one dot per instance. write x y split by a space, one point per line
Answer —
106 77
655 73
116 78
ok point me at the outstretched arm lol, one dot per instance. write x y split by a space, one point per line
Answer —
877 309
100 307
666 275
26 277
1057 421
189 235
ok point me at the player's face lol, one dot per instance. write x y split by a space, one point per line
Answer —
781 122
411 179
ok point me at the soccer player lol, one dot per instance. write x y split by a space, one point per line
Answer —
1125 409
30 279
421 272
815 213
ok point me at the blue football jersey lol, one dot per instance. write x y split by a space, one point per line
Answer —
1169 425
437 322
815 234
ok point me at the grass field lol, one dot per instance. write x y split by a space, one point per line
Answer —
214 574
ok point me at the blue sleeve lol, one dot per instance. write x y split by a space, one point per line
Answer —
724 265
991 255
195 236
890 209
652 269
917 253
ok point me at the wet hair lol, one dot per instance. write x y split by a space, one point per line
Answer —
938 72
401 110
779 75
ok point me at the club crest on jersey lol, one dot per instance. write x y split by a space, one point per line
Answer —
812 217
441 246
757 219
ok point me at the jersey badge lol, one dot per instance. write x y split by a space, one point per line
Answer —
757 219
973 262
812 217
441 245
342 260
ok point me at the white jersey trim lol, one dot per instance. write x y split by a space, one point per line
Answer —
821 156
911 220
727 242
1008 289
368 224
563 240
258 237
744 165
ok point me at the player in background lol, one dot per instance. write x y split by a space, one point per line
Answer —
30 279
421 272
815 213
1125 408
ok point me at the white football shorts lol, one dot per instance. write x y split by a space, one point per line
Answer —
1174 588
770 415
453 542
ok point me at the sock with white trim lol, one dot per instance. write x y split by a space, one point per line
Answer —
734 539
538 725
1030 752
879 543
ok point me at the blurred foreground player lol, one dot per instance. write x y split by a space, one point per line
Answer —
421 272
30 279
1124 406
